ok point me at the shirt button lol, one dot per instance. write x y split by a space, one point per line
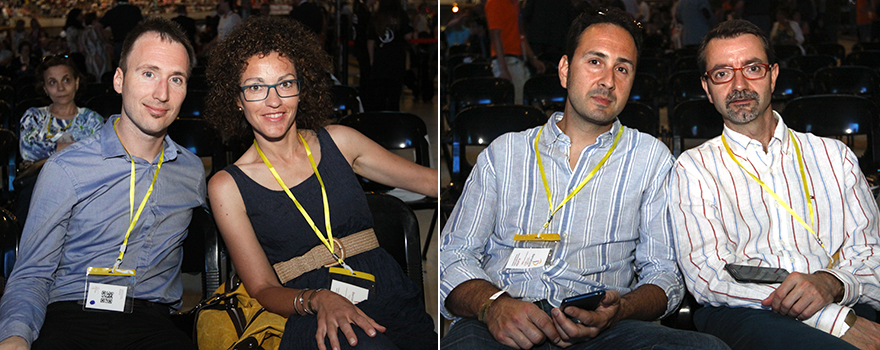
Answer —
792 260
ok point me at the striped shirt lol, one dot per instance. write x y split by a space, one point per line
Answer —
615 233
721 215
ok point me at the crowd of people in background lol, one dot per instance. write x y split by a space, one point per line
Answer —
92 33
672 24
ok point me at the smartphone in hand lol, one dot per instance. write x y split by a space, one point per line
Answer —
756 274
589 301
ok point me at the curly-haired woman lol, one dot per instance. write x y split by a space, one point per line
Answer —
293 196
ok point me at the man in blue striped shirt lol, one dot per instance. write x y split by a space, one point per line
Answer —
764 195
575 206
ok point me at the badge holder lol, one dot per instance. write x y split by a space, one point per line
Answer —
532 250
355 286
109 289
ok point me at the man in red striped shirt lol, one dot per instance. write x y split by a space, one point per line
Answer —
764 195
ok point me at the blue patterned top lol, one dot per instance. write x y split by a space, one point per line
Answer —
39 131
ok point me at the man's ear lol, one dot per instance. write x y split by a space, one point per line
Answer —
705 81
563 71
117 80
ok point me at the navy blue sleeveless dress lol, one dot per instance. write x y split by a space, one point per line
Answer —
395 303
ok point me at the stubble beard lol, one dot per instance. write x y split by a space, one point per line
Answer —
742 115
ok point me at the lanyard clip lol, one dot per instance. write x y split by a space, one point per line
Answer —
116 265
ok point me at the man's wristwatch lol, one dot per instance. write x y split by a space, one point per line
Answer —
481 316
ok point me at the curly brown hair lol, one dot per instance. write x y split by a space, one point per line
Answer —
262 36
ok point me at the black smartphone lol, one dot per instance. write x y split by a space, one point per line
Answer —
756 274
589 301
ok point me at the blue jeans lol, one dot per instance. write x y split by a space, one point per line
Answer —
470 334
755 329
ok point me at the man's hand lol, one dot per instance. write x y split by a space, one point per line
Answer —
591 322
14 343
519 324
863 334
802 295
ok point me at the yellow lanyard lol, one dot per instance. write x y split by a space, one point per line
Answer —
132 216
49 123
328 240
581 185
797 150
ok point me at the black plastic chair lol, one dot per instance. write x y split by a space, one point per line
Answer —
93 89
685 86
865 47
685 63
27 87
393 131
195 135
791 83
869 58
193 105
657 67
784 52
695 119
397 230
645 89
833 49
454 60
10 237
642 117
202 251
848 80
396 131
458 50
838 116
478 91
545 92
472 70
809 64
479 125
344 99
106 105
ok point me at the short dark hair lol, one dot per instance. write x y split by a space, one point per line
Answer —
613 16
733 29
167 30
258 37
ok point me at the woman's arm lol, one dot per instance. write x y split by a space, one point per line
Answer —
374 162
333 311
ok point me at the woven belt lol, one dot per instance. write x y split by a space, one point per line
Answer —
318 256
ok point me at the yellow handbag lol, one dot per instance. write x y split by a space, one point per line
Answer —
231 319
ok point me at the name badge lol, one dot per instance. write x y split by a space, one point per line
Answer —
353 285
106 297
528 258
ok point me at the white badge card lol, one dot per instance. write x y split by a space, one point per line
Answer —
353 285
108 297
351 292
527 258
109 290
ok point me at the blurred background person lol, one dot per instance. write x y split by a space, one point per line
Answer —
46 130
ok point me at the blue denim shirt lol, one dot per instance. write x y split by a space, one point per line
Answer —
78 218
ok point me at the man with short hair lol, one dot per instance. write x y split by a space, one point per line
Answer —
99 262
575 206
764 195
121 19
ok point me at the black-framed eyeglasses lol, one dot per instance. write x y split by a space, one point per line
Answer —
259 92
751 71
